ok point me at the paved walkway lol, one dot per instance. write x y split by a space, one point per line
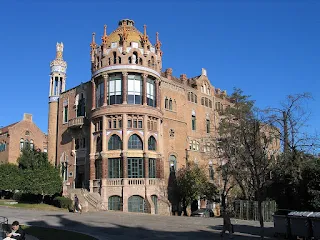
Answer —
120 226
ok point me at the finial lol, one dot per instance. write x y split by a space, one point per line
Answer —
158 43
145 30
59 49
93 42
104 37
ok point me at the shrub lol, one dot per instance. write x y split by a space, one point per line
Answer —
62 202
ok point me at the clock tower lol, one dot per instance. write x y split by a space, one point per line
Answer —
58 69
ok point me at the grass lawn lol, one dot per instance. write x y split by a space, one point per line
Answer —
54 234
35 206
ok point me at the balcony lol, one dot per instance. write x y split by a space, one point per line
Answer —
76 122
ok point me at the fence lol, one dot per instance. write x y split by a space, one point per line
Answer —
248 210
3 227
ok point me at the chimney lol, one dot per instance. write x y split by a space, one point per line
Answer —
204 72
183 77
168 73
27 117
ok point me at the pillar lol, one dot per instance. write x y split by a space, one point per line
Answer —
93 88
146 165
144 89
104 148
106 92
124 87
125 164
124 145
158 100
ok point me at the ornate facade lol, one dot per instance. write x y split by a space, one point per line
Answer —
123 132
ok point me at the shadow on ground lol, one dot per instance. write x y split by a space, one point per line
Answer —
122 232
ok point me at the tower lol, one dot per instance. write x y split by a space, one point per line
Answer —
57 85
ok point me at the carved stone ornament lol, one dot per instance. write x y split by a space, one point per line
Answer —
171 132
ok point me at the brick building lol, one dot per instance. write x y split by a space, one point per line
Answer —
124 132
16 136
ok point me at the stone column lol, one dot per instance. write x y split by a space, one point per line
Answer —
159 168
93 93
124 87
92 167
104 148
124 145
125 164
104 165
158 100
146 165
144 89
105 84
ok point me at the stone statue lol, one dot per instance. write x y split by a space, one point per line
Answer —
133 59
59 47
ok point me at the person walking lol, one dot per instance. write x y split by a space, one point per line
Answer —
227 225
77 206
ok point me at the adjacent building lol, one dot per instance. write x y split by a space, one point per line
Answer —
16 136
127 130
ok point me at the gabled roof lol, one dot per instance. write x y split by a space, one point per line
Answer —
6 128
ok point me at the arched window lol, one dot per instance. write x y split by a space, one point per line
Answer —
119 60
172 163
26 144
136 204
195 99
152 61
134 89
166 103
114 57
81 108
140 61
114 203
135 58
149 63
31 144
170 104
189 96
21 143
152 144
135 142
114 142
98 144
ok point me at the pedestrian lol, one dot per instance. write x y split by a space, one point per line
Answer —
16 232
227 225
77 205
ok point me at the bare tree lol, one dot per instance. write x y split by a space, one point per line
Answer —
247 142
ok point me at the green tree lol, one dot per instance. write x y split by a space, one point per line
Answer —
39 176
192 183
10 177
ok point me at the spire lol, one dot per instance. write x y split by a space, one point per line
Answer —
93 42
105 36
145 36
158 43
59 51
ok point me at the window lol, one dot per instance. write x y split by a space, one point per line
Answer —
135 168
166 104
211 173
2 146
114 168
98 144
98 165
151 93
134 89
31 144
152 144
65 114
170 104
114 203
115 96
114 143
135 122
100 94
81 107
136 204
208 125
152 168
26 144
135 142
114 122
193 122
21 144
152 124
65 171
172 163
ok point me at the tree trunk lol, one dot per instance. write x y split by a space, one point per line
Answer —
285 133
261 217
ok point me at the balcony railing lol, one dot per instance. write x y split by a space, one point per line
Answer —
76 122
132 181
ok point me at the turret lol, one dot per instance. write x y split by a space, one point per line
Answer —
58 69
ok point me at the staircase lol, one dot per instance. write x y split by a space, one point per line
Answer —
90 202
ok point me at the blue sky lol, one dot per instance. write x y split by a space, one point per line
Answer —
269 49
